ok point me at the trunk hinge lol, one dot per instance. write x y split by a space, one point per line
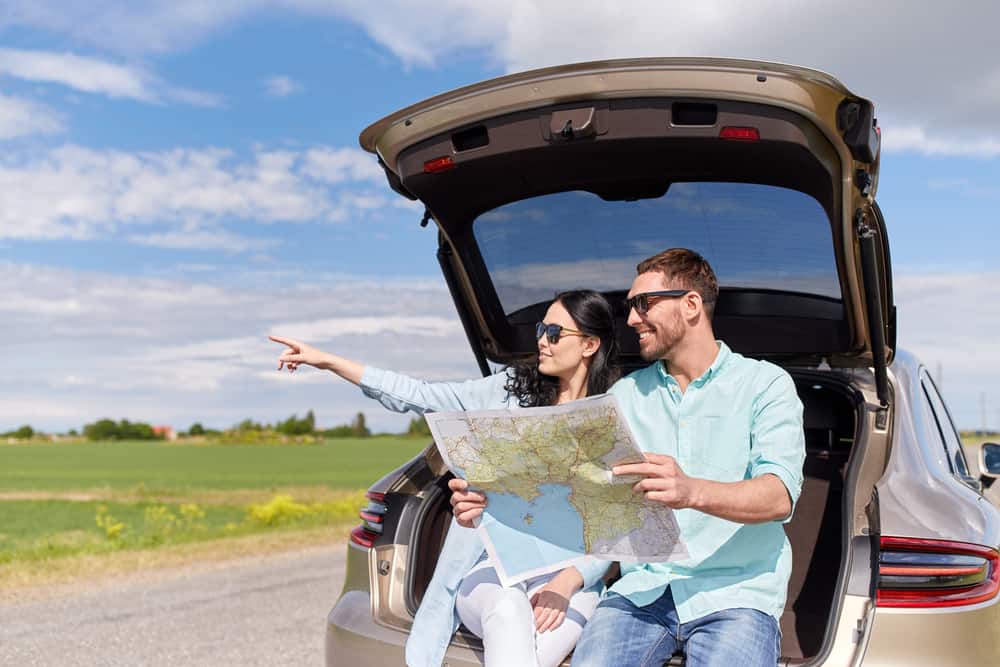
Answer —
868 237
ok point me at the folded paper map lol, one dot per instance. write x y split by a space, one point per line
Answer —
552 499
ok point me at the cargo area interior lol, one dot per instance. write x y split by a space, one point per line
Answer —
815 531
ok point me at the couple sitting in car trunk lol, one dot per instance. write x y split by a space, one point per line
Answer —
723 439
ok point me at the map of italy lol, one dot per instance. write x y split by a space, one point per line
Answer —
551 496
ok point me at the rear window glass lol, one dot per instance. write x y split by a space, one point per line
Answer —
755 236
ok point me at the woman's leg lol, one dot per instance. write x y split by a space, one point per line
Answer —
502 617
553 646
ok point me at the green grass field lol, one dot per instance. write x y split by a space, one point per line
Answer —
62 499
349 463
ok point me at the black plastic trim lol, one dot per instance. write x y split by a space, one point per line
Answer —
873 302
444 255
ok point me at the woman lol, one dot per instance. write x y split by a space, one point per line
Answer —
537 621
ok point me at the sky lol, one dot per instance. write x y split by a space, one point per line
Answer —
180 179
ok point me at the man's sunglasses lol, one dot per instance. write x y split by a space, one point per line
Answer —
641 301
554 331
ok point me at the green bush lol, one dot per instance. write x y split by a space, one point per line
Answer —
23 433
418 426
295 426
356 429
107 429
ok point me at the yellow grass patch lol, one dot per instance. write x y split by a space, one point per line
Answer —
304 494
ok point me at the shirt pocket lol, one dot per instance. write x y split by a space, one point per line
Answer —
721 452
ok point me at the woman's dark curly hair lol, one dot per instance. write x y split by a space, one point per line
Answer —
593 316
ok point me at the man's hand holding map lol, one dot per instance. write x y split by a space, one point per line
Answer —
552 497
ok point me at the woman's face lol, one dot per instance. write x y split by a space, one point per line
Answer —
562 359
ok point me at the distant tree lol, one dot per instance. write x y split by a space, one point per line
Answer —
295 426
356 429
72 432
196 429
102 429
418 426
136 431
248 425
358 426
23 433
107 429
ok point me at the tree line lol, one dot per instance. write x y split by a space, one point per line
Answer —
248 429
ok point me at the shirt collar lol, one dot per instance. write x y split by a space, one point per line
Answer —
720 359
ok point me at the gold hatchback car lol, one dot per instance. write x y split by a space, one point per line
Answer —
565 178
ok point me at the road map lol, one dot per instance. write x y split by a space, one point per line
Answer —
551 497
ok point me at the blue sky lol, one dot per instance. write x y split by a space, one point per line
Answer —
180 179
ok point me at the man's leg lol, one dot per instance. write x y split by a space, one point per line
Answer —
744 637
621 634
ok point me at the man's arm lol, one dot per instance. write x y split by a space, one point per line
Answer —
756 500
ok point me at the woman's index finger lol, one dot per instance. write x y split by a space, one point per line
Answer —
285 341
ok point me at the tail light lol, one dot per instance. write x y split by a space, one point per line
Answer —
372 517
740 133
935 573
438 164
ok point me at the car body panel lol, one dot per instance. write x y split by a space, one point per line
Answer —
918 496
405 141
964 636
809 92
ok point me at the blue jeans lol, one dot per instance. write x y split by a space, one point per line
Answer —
620 633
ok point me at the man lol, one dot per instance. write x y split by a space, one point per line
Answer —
724 447
724 444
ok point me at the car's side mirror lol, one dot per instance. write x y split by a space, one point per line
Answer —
989 460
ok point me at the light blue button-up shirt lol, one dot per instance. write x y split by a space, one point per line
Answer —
741 419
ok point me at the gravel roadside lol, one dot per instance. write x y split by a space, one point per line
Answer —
267 610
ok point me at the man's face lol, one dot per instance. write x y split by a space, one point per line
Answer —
661 327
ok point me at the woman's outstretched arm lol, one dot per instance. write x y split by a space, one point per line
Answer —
397 392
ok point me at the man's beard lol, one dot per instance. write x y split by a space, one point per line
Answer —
665 338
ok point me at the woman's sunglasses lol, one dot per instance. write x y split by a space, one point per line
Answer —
554 331
641 301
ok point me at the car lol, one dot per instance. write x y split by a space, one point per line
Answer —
565 178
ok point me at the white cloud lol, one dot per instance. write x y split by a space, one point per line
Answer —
331 328
204 240
89 345
21 117
948 320
915 139
92 75
281 86
935 69
155 26
78 193
335 165
179 351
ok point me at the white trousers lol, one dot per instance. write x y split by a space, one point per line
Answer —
505 621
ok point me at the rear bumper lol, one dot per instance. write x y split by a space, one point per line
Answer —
958 636
354 638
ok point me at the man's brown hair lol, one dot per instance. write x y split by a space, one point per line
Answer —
687 270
